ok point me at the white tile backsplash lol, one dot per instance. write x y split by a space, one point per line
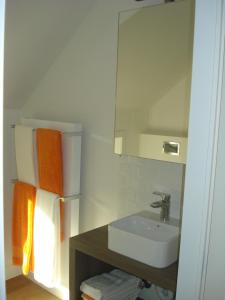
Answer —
139 178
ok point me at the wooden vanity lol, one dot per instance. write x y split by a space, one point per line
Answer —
89 256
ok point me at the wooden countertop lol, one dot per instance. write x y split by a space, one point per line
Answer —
95 243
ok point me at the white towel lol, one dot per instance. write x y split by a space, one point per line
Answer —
47 239
71 164
111 286
25 154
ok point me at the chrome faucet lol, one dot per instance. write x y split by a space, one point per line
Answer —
164 203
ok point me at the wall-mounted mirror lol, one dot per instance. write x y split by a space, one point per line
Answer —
154 80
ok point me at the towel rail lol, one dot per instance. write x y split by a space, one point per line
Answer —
64 199
78 133
69 198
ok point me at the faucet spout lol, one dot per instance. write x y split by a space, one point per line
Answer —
164 203
156 204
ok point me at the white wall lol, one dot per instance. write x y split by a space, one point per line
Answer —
80 87
10 117
35 34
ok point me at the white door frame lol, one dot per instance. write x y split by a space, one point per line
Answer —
202 148
214 269
2 256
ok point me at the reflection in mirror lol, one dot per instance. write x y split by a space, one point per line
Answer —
153 81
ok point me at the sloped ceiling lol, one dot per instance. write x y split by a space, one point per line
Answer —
36 33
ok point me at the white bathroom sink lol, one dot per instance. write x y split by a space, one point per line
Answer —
144 239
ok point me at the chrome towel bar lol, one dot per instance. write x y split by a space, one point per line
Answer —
63 199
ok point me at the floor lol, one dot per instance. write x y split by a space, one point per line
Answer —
20 288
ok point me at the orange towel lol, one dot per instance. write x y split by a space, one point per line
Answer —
22 228
50 164
86 297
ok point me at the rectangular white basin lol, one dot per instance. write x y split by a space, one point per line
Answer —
146 240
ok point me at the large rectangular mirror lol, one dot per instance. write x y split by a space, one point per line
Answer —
154 80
